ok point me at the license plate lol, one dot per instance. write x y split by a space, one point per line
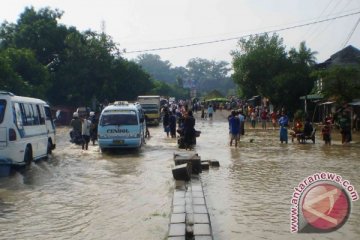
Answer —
118 141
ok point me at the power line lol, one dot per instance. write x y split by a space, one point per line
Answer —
328 24
312 29
248 35
351 33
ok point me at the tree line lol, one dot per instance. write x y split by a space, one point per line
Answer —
41 58
262 66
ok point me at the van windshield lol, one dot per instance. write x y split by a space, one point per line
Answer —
2 109
119 119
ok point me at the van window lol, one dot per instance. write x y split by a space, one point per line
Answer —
2 109
48 113
35 114
119 119
19 120
29 115
41 114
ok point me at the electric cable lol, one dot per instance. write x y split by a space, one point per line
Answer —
244 36
327 25
312 29
351 33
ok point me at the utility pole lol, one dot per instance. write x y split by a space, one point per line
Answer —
103 26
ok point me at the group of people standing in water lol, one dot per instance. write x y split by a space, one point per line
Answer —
301 130
179 120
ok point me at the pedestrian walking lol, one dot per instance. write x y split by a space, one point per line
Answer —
234 125
264 118
189 130
172 123
326 132
284 124
210 112
242 122
147 132
85 133
345 128
253 119
273 119
166 122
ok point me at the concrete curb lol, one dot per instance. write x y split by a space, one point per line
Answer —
190 219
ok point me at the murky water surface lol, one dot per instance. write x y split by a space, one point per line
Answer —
128 194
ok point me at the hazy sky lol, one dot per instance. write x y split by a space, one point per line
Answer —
152 24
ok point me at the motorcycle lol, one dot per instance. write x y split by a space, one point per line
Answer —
75 137
182 143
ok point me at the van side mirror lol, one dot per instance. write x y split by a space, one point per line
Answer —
142 119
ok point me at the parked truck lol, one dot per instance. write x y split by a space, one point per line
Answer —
151 107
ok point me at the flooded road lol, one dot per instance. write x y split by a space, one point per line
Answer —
127 194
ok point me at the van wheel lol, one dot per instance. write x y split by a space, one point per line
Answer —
49 147
28 156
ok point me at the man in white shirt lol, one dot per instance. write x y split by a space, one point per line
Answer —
85 132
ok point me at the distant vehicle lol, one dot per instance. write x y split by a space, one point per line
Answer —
151 106
27 130
121 125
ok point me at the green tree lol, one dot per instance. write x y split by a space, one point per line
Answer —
85 66
258 61
30 78
9 79
304 56
341 83
158 69
40 57
263 67
37 30
210 75
300 80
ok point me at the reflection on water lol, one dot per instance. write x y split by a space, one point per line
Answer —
127 194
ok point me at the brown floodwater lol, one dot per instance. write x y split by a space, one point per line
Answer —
80 195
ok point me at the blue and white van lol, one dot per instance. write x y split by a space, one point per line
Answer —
27 131
121 125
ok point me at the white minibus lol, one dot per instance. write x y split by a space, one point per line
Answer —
27 131
121 125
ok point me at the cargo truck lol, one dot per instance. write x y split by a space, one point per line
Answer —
151 106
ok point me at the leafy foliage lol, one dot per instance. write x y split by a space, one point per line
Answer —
41 58
262 66
158 69
341 83
210 75
207 75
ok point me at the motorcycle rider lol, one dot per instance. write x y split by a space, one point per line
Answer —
75 133
189 130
